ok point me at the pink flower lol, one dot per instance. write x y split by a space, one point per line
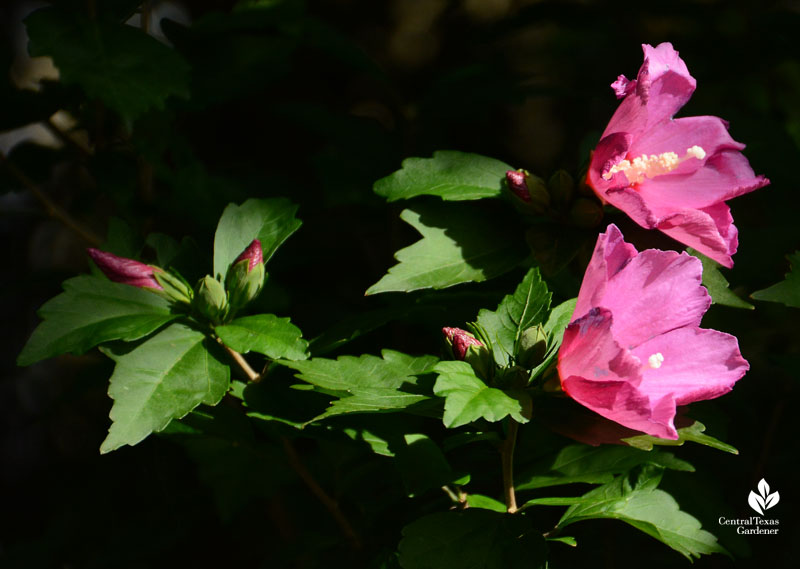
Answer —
125 271
461 340
252 253
671 174
634 350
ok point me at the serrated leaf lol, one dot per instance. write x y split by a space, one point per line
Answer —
458 245
271 221
468 398
593 465
473 539
717 285
787 291
371 400
557 321
162 379
648 509
128 70
451 175
266 334
694 433
90 311
515 313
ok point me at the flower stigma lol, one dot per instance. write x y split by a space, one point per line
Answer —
655 360
645 166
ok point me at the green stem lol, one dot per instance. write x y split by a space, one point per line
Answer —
507 459
251 374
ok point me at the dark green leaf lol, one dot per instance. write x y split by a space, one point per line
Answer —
454 176
593 465
271 221
458 245
515 313
486 503
694 433
648 509
717 285
162 379
557 322
473 539
371 400
130 71
787 291
266 334
422 465
90 311
468 398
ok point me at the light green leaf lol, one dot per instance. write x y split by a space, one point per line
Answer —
271 221
717 285
557 321
593 465
90 311
266 334
162 379
128 70
787 291
468 398
515 313
694 432
648 509
451 175
458 245
371 400
486 503
472 539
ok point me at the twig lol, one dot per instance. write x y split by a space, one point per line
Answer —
52 209
242 363
144 16
507 459
330 504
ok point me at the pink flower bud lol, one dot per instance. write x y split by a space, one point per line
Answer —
460 340
125 271
516 183
254 254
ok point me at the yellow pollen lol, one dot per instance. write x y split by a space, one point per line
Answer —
645 166
655 360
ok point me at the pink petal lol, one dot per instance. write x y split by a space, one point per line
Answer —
709 231
697 364
124 270
654 293
611 253
623 86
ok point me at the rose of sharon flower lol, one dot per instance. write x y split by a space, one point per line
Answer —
671 174
123 270
634 350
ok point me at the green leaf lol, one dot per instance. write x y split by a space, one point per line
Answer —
162 379
128 70
371 400
648 509
468 398
458 245
557 321
90 311
515 313
271 221
717 285
486 503
276 338
787 291
694 433
593 465
422 465
472 539
453 176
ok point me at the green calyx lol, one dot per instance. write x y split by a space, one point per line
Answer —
211 300
243 285
175 287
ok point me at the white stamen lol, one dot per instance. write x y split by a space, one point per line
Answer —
655 360
645 166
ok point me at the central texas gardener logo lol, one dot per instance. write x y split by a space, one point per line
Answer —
763 500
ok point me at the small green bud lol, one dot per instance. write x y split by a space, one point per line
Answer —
562 187
245 278
586 213
211 300
532 347
175 288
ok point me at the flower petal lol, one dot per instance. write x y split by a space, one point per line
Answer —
694 365
709 231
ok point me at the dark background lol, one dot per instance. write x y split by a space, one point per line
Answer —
317 117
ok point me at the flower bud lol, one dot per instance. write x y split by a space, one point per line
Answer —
530 191
532 347
211 300
175 287
245 278
468 348
561 186
125 271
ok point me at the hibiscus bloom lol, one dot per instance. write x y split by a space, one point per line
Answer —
671 174
634 350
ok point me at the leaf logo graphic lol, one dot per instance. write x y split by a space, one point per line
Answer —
763 500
